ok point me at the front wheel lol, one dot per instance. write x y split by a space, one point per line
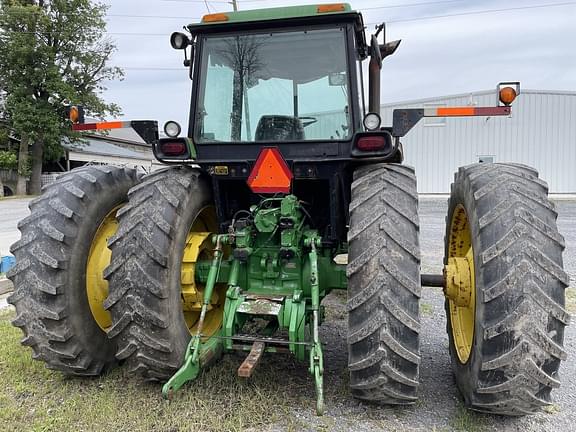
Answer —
505 289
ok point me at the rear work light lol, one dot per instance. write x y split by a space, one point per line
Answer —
373 144
172 150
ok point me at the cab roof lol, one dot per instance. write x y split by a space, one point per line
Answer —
282 17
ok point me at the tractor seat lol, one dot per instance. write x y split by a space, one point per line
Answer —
279 128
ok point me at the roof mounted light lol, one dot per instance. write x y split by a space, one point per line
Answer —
172 129
179 41
372 121
215 17
333 7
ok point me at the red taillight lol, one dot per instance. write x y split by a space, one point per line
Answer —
371 143
174 148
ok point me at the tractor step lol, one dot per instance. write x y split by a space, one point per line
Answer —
249 364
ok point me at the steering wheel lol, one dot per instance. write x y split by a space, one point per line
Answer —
307 121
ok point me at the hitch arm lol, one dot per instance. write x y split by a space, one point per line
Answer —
316 356
191 367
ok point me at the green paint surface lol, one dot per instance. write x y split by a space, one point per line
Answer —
274 14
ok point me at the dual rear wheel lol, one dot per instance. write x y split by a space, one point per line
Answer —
504 287
106 271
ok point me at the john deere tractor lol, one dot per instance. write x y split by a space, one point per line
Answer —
286 187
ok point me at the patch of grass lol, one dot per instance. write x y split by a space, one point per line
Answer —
571 300
426 308
34 398
465 420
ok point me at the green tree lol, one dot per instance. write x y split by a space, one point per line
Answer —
7 161
51 52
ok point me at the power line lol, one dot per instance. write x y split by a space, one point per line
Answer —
413 4
151 16
481 12
391 7
395 6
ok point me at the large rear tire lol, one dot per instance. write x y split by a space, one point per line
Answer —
57 306
384 285
148 270
506 345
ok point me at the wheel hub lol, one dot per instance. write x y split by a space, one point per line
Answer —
98 259
458 281
199 247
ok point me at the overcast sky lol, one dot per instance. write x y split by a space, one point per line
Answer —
445 55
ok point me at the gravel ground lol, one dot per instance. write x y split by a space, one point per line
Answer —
439 407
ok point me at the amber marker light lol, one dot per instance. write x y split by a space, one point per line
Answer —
335 7
507 95
74 115
217 17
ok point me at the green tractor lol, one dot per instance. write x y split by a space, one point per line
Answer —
286 187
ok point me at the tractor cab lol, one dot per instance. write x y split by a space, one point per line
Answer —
284 77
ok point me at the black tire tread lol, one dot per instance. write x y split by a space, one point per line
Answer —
384 285
40 276
138 273
523 316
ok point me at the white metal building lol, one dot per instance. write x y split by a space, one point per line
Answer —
541 132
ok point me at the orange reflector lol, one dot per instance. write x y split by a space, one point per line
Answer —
507 95
101 126
335 7
217 17
110 125
456 111
270 173
74 115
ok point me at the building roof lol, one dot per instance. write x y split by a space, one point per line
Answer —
476 93
127 135
103 147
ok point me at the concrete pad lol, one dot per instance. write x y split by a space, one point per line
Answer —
6 286
11 212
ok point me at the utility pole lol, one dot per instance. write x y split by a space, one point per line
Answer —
234 5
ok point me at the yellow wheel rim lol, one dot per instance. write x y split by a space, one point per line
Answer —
199 247
98 260
461 284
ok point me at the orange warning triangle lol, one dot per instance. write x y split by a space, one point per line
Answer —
270 173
